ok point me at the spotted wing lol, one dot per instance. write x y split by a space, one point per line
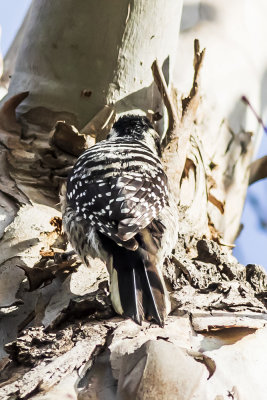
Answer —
119 188
120 207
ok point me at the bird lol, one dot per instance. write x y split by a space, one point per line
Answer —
118 208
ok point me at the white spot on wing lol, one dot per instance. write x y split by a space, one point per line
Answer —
130 187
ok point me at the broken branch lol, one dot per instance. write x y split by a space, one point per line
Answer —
171 109
193 98
176 141
8 120
258 170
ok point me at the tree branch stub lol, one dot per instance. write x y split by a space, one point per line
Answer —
175 144
258 170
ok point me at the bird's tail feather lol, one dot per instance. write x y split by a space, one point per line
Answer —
137 288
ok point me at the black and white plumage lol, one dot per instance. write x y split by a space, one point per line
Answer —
117 208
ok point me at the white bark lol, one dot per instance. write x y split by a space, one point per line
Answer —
235 64
145 363
219 307
90 46
74 47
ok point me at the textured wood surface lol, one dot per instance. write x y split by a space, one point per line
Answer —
60 337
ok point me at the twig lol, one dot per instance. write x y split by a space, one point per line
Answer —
198 61
176 141
171 109
259 119
99 126
258 170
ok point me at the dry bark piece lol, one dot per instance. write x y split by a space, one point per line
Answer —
92 306
97 381
100 124
46 270
216 202
8 120
256 276
42 346
95 303
67 138
71 350
214 280
8 184
206 322
162 367
128 337
207 361
57 223
10 281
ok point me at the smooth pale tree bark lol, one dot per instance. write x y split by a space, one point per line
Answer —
67 69
234 66
81 62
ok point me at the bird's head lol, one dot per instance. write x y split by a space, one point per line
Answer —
138 128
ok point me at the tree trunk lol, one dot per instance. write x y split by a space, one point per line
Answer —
82 64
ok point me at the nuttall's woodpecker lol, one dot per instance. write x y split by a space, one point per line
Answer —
118 208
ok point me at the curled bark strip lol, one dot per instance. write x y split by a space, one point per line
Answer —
46 270
8 119
221 321
66 137
258 170
8 185
207 361
100 124
217 203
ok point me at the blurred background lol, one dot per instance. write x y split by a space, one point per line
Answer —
12 13
251 245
